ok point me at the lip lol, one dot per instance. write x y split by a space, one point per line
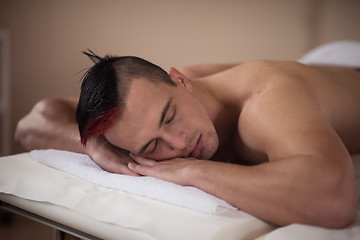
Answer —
196 149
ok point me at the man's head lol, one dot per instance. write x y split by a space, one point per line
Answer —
138 107
105 88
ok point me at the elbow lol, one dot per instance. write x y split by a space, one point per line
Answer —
332 202
30 124
23 133
336 213
343 212
340 201
345 197
340 206
20 131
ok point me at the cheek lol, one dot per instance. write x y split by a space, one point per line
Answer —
211 145
198 112
197 120
191 116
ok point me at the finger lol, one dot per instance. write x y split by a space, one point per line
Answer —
124 159
139 169
124 169
115 167
143 161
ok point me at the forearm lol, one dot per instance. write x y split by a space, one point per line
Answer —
283 192
50 124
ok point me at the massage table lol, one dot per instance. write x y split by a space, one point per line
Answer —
83 209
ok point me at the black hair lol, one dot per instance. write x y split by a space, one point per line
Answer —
104 90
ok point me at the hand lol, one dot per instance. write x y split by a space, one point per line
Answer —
176 170
108 157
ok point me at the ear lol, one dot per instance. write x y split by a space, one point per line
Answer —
180 78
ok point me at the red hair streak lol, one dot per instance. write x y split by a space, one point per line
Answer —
98 125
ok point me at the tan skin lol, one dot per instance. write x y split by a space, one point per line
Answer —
293 126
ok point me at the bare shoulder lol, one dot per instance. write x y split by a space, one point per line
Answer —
283 117
268 71
252 78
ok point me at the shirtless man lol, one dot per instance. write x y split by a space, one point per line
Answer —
280 134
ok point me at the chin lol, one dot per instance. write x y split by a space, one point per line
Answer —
207 154
210 150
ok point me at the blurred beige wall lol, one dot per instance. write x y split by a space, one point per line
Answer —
47 36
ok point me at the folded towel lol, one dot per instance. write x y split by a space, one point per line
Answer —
340 53
81 165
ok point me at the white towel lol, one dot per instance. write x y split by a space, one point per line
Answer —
81 165
340 53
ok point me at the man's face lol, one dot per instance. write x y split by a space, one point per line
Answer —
162 122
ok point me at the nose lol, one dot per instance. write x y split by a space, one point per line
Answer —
176 140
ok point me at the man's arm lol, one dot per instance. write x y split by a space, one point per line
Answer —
52 124
309 177
282 192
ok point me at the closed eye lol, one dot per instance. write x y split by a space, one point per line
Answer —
156 142
172 117
166 122
162 121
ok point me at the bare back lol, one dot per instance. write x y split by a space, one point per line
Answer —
334 94
339 95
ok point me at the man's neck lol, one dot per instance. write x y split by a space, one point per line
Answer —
211 104
223 115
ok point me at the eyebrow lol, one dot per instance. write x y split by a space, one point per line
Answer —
162 118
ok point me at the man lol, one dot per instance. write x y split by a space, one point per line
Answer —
279 134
